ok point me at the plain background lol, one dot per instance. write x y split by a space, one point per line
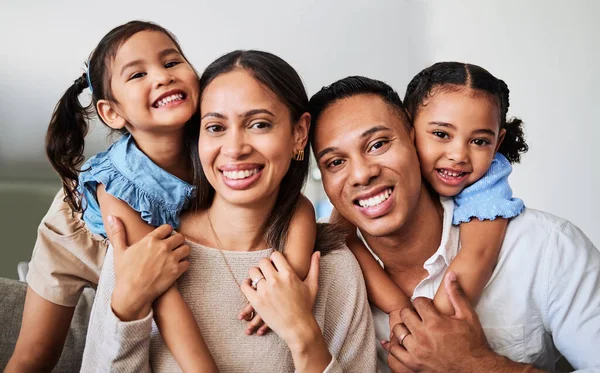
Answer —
546 51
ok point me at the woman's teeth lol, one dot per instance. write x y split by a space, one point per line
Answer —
169 99
373 201
236 175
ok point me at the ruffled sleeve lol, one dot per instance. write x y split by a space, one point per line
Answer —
490 197
129 175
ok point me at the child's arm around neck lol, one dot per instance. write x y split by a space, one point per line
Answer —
173 317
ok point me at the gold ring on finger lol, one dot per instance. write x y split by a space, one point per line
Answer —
401 338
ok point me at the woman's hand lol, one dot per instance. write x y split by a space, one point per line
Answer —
285 303
144 270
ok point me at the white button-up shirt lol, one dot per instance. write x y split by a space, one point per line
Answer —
543 296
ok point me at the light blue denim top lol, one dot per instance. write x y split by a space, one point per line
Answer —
490 197
129 175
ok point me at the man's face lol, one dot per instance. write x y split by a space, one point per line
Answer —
368 163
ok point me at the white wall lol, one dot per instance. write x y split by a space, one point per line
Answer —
43 46
548 53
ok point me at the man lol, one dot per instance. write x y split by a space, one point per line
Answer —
543 295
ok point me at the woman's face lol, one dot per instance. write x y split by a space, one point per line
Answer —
246 139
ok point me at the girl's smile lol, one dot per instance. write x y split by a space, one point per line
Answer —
457 134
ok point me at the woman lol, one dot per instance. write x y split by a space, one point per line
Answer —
254 119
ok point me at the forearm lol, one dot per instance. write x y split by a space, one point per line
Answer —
125 346
499 364
128 305
301 238
113 344
309 351
480 246
381 289
181 334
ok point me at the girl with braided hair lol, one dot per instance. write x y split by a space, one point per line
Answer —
466 145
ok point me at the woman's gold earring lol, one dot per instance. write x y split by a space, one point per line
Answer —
299 155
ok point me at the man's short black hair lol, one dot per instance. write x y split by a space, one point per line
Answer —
353 86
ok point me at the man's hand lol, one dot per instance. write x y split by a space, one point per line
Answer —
429 341
395 365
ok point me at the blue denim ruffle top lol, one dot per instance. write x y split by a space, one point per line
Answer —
129 175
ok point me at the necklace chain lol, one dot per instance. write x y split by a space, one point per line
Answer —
219 246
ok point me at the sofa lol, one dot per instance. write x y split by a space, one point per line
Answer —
12 295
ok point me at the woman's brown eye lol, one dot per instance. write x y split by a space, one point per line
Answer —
261 125
214 128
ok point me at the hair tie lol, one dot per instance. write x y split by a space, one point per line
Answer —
87 76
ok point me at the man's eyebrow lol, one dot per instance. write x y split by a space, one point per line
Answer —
373 130
365 134
326 151
161 54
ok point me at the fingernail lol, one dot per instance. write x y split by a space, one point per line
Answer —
318 255
451 276
111 220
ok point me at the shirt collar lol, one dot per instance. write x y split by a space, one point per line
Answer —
449 244
448 248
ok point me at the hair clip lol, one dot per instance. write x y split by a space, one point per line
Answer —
87 76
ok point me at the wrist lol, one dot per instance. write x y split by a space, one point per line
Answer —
128 305
491 362
308 348
302 334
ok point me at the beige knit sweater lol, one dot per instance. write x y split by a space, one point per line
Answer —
341 310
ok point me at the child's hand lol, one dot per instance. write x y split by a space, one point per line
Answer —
255 324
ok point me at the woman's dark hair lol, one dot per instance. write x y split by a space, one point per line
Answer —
349 87
281 78
70 120
451 76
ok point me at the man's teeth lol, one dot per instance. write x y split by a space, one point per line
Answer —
235 175
169 99
373 201
448 173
